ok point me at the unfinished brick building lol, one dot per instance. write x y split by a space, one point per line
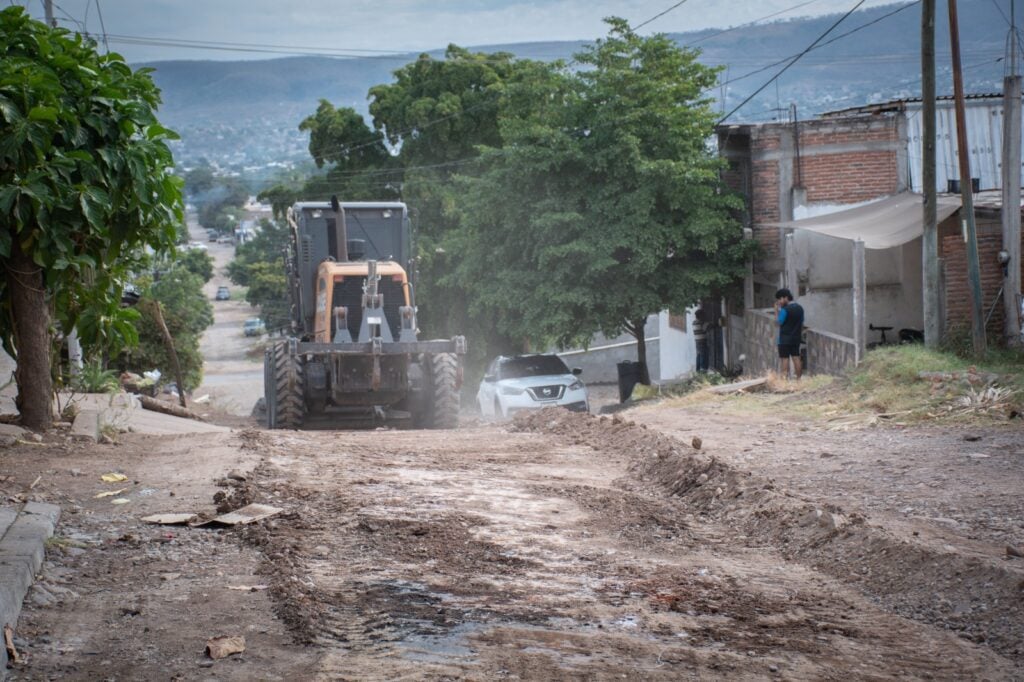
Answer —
792 171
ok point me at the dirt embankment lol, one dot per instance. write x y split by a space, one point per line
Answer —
979 597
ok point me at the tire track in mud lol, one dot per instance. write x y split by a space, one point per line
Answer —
978 597
486 554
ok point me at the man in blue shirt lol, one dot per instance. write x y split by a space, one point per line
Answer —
790 318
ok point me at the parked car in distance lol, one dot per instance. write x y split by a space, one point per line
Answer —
254 327
197 245
530 382
223 294
225 239
211 235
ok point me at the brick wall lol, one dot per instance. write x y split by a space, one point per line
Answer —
840 164
849 178
958 292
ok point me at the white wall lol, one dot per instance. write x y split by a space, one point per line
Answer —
678 349
671 353
894 289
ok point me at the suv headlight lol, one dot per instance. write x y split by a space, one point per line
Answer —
511 390
576 385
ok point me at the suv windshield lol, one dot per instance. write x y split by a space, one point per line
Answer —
531 366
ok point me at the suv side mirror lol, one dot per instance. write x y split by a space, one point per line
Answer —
576 371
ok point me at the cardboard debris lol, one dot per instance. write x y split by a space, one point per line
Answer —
248 588
111 493
247 514
12 653
169 519
113 478
222 647
120 500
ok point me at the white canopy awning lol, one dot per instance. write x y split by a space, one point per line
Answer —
882 224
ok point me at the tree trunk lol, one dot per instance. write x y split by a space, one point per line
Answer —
30 314
638 329
158 315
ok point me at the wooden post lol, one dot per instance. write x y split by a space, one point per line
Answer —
930 291
860 294
966 190
1011 200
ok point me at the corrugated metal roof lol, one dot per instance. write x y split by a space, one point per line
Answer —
984 139
901 104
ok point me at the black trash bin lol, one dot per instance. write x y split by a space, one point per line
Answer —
630 375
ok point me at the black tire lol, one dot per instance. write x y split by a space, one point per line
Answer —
287 409
443 391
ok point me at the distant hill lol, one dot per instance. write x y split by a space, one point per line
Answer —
246 113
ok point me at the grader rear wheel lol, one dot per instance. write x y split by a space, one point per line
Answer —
283 385
442 391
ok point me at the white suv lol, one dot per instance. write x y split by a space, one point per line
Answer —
530 382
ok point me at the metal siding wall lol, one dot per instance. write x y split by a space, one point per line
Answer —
984 135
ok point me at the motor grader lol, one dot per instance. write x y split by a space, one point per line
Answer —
353 357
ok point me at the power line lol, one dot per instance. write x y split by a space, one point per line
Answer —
829 42
751 23
659 15
793 61
103 26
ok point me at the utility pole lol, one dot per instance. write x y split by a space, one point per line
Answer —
48 8
930 239
966 190
1011 193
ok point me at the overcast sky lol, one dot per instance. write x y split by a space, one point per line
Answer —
391 25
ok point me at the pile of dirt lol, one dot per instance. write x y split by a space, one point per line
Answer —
979 597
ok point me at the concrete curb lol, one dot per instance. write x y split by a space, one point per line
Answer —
23 535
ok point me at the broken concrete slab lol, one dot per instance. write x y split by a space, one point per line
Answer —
739 386
86 426
250 513
12 430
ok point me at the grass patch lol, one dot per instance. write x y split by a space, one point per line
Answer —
889 380
888 388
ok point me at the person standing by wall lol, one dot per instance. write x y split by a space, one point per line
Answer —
790 317
700 338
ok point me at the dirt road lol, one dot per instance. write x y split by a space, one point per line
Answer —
576 549
561 546
232 379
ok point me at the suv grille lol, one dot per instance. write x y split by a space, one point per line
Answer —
547 392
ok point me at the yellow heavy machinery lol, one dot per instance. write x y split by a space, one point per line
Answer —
354 357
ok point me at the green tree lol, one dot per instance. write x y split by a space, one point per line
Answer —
439 113
199 180
84 179
198 262
268 290
604 204
187 313
260 265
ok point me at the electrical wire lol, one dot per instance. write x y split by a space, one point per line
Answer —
103 27
829 42
658 16
793 61
751 23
